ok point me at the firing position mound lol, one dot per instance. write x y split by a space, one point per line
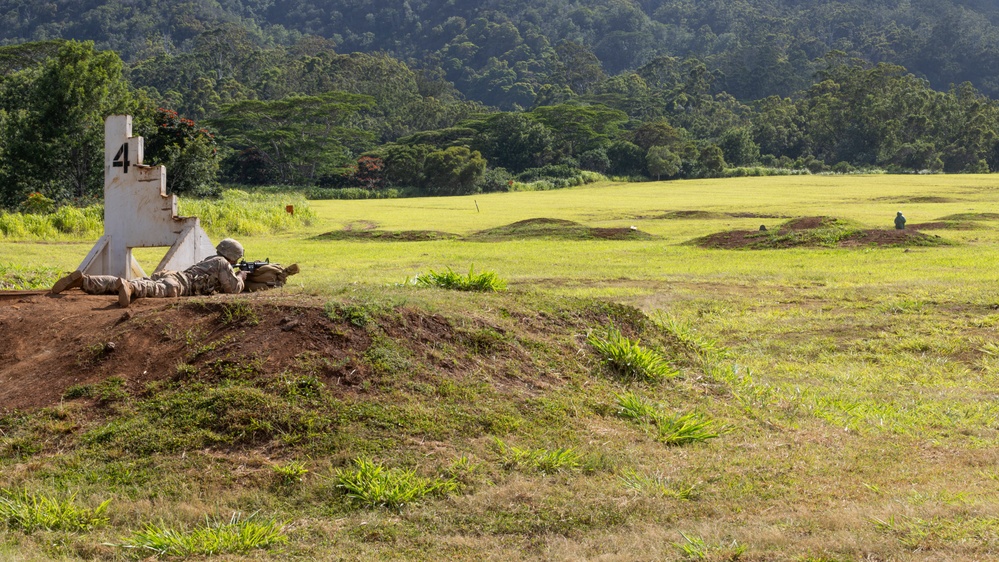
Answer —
817 232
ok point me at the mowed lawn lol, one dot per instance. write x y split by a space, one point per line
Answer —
866 378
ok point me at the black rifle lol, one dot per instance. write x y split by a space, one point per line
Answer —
251 266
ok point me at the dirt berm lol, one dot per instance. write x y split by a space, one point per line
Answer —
53 343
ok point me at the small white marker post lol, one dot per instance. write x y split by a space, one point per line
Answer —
138 213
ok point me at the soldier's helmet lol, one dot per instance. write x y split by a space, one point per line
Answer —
230 249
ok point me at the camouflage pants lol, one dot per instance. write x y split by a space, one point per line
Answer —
161 285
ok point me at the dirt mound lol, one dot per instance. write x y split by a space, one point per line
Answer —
809 223
52 343
559 229
755 216
945 225
54 346
394 235
971 217
919 199
706 215
816 232
689 215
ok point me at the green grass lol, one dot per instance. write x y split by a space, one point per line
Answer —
63 223
803 370
239 213
19 278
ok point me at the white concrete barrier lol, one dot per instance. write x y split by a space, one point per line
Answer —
138 213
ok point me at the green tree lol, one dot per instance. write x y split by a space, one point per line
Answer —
738 147
778 127
514 141
662 161
578 127
656 133
710 161
53 137
189 152
626 159
577 67
404 163
453 171
301 136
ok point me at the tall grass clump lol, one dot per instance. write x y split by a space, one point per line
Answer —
629 358
64 222
487 281
687 338
30 512
676 430
237 536
290 473
241 213
657 484
545 461
369 484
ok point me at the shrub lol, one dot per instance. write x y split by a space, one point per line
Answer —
495 179
545 172
350 193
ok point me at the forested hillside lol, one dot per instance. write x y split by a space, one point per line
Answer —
502 51
440 97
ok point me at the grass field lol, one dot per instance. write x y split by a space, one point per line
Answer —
852 391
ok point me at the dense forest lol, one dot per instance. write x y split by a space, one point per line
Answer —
442 97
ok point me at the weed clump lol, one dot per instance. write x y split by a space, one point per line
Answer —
239 312
369 484
237 536
290 473
487 281
679 429
540 460
31 512
658 484
629 358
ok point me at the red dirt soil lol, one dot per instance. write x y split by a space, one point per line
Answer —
53 342
50 343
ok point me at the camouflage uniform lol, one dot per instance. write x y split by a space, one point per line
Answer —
209 276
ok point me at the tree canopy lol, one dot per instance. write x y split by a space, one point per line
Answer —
386 95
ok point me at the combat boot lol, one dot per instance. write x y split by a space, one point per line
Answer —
71 281
124 292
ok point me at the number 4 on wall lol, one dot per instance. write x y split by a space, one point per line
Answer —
121 159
